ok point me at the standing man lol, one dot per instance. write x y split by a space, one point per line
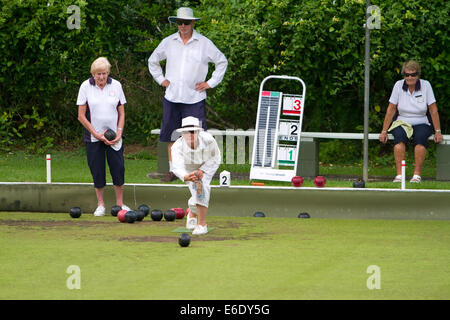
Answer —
187 54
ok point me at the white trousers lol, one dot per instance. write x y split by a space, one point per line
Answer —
195 198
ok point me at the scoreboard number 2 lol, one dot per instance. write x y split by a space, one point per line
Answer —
294 129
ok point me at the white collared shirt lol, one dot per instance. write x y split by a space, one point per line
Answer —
101 105
187 65
206 156
413 107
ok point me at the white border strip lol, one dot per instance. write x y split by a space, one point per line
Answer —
235 187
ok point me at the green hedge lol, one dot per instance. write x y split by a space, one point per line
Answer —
43 62
323 43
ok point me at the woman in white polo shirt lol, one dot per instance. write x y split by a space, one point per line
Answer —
412 98
100 107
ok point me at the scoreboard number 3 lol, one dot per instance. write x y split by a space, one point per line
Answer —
297 104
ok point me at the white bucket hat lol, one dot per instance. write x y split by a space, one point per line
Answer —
190 124
184 13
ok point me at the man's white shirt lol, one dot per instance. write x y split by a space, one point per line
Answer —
187 65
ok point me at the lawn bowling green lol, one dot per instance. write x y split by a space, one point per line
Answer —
312 258
242 258
323 202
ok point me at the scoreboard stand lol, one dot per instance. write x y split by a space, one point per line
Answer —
277 133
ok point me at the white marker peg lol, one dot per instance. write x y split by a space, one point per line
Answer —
403 174
49 168
225 179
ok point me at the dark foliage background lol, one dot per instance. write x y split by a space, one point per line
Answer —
43 62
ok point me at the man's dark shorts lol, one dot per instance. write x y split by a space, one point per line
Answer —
420 135
96 152
174 112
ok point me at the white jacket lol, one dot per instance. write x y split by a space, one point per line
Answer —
206 156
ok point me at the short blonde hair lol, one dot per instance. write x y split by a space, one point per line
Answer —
411 65
100 64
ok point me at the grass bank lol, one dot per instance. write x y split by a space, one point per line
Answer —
72 167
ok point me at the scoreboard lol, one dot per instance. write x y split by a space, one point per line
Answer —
277 133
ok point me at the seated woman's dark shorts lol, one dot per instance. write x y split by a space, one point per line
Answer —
420 135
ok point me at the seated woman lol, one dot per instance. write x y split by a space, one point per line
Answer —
412 98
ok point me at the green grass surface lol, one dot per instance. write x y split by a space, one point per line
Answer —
243 258
66 167
72 167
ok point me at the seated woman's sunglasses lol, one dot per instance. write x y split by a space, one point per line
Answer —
414 74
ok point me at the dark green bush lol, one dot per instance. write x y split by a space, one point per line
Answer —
322 42
43 62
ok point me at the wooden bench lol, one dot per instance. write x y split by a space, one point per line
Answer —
308 165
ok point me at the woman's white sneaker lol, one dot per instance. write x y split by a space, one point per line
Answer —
200 230
191 223
100 211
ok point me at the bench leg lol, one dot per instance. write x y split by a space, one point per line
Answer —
443 161
163 157
308 159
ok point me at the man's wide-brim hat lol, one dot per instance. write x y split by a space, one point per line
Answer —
184 13
190 124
